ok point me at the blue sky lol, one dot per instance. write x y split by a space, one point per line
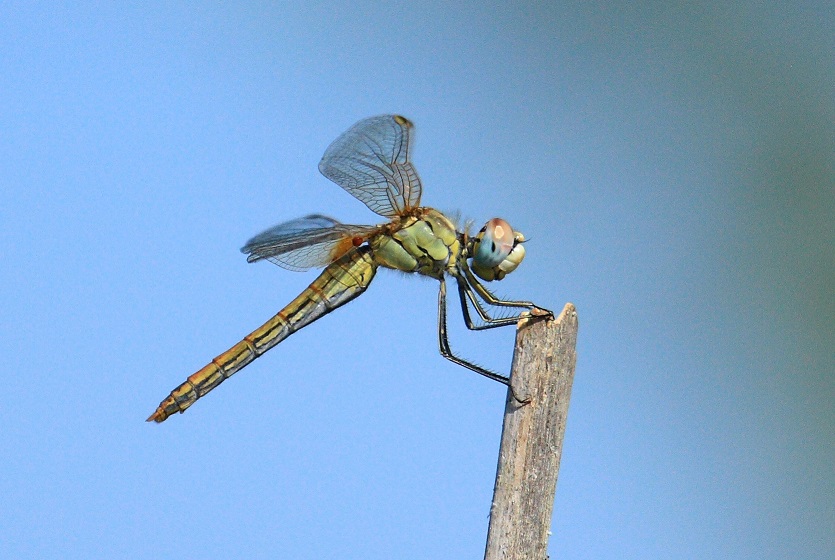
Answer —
672 167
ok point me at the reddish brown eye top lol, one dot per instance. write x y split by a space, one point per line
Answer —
495 244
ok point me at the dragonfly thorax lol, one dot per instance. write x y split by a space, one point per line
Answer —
426 243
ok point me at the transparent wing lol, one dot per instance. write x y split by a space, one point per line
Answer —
310 242
371 161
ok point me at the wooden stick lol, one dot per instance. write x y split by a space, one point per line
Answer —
529 456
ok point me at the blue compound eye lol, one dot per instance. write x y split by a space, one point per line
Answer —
496 241
497 250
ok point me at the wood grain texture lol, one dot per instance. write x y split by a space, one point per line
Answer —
532 435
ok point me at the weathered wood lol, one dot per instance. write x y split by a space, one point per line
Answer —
532 435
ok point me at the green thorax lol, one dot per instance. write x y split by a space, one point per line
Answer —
426 243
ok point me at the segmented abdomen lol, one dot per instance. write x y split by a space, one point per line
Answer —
342 281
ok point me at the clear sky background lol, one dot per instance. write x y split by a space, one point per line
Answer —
673 169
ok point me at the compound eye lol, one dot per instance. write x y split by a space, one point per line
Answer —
495 242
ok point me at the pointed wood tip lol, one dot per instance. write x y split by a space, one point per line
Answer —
569 312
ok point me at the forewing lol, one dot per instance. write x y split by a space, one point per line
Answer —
310 242
371 161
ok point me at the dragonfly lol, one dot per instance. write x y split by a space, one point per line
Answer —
372 162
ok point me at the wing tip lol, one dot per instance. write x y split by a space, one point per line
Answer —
402 121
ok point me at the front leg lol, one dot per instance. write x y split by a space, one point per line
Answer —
488 296
465 292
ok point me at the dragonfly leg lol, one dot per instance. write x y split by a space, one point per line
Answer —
446 352
488 296
465 293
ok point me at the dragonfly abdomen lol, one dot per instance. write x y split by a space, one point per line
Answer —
205 379
343 280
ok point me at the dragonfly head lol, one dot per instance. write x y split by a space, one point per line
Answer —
496 250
